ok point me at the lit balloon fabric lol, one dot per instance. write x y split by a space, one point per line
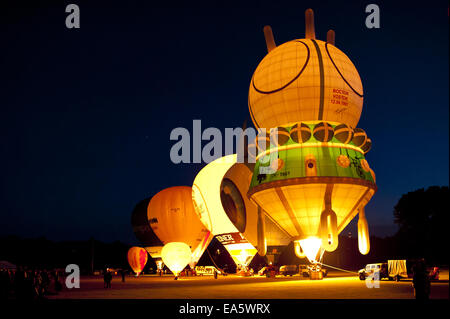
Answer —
137 259
219 194
308 96
172 217
311 93
176 256
305 80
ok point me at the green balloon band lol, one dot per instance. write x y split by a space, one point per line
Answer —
314 161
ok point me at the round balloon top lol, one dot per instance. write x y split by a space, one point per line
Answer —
305 80
172 217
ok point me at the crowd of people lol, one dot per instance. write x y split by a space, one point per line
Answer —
28 283
33 284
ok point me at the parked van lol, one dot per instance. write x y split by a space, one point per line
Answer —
206 270
392 270
288 270
377 271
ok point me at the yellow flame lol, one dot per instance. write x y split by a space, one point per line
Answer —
311 246
244 255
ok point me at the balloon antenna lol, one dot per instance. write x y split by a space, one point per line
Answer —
309 24
270 42
330 37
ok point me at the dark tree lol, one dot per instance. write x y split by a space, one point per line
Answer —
423 219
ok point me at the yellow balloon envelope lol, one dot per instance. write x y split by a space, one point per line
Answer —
219 194
305 80
176 256
206 195
220 198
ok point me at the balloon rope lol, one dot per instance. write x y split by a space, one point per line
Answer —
352 272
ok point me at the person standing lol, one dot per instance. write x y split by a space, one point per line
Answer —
58 285
421 281
105 278
108 279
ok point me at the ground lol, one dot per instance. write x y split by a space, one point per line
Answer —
334 286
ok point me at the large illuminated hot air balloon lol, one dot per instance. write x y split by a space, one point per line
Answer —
308 95
219 194
137 258
172 217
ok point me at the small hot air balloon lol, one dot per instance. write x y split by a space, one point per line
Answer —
176 256
137 258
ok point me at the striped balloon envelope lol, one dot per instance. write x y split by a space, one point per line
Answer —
137 259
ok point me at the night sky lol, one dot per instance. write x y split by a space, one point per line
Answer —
86 113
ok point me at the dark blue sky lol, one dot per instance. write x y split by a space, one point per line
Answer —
86 114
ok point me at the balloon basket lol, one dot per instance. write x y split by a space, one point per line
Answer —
316 275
